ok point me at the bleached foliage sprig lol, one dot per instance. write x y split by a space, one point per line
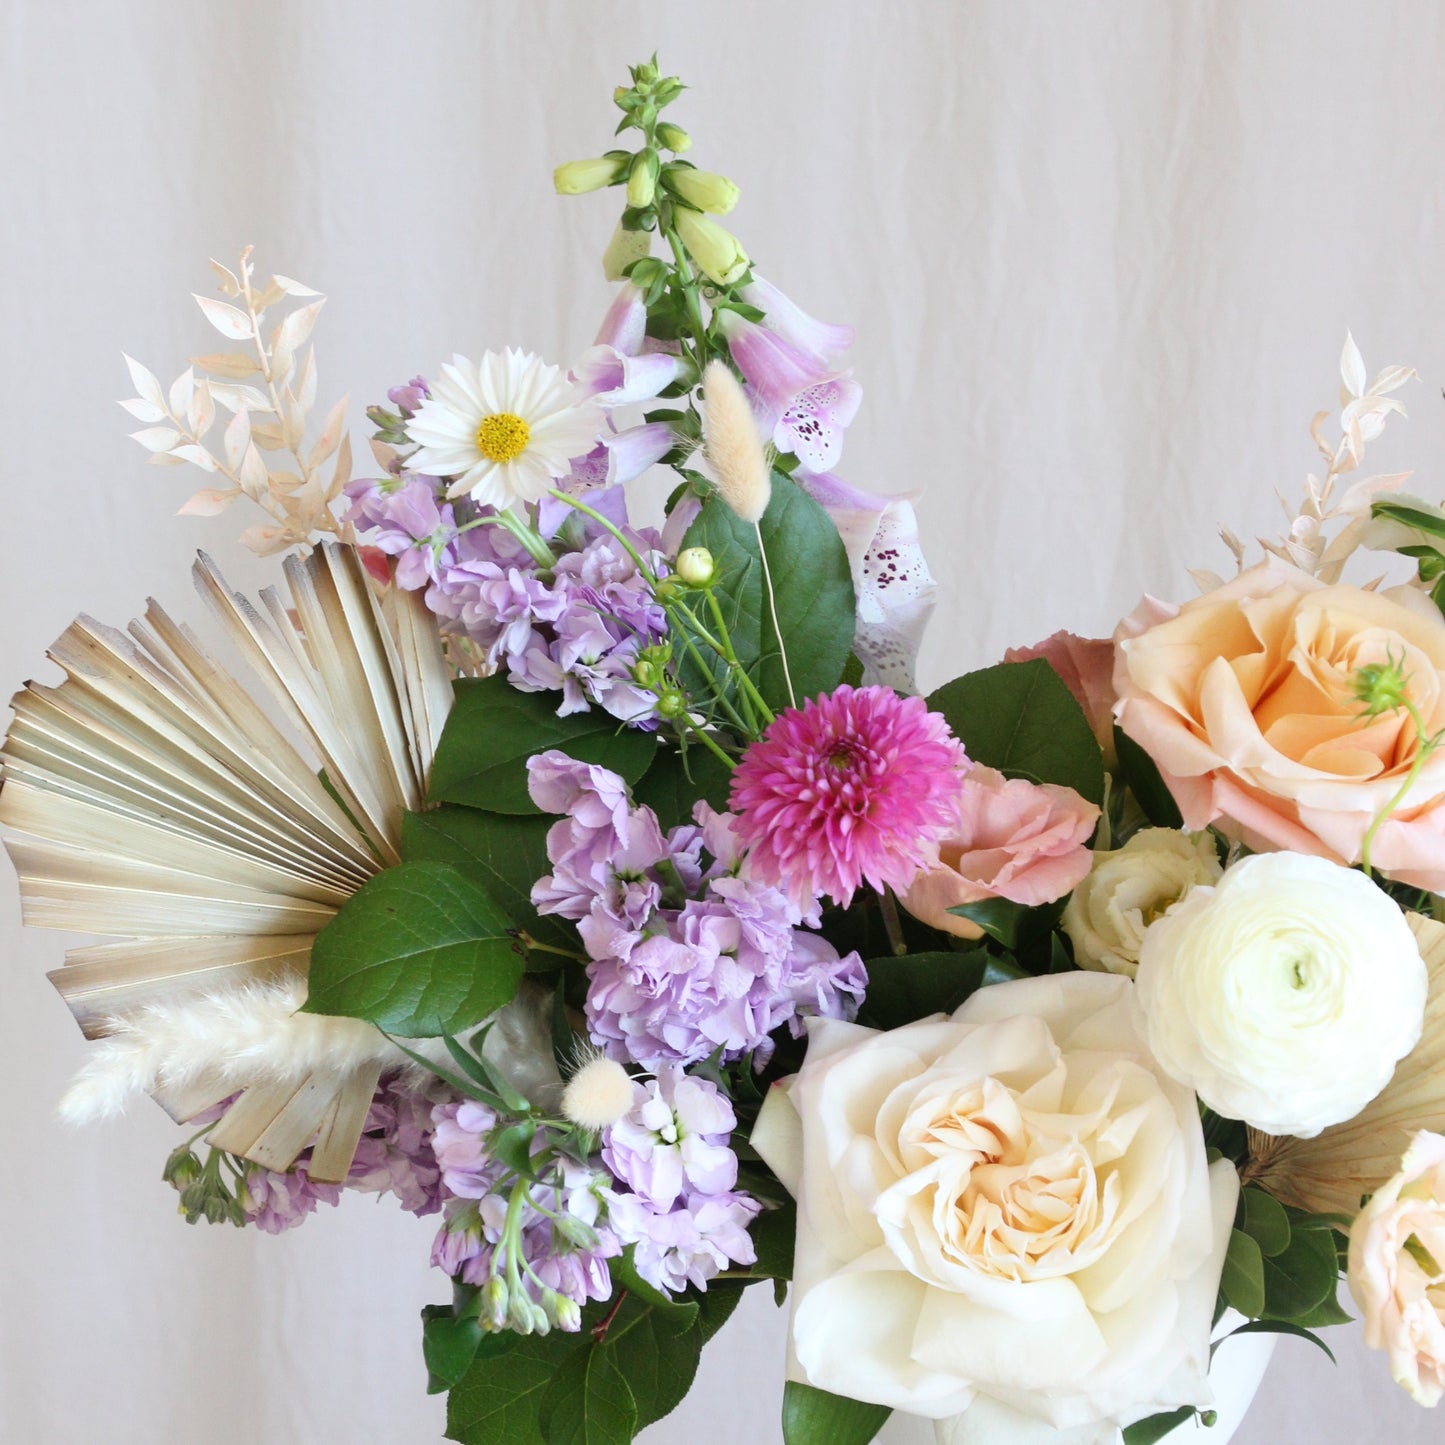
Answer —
1365 406
269 390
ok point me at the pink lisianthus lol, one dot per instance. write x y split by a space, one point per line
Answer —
1027 842
852 787
1397 1269
1086 667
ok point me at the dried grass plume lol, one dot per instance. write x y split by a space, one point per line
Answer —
730 437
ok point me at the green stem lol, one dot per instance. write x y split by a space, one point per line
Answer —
1423 750
643 570
706 740
892 925
689 289
773 609
703 667
745 683
537 549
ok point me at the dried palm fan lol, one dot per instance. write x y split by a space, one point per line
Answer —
1332 1172
162 806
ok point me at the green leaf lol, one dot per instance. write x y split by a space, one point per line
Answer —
449 1345
493 729
901 990
418 951
1278 1327
503 855
1242 1282
814 1417
1019 717
998 917
496 1402
588 1402
1328 1312
657 1351
673 784
1156 1427
1432 523
716 1305
1302 1277
775 1233
1264 1220
1145 782
812 587
683 1313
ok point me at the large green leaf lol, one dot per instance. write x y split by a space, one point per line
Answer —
814 1417
1142 775
588 1402
1242 1282
497 1401
1302 1277
673 784
812 586
493 729
901 990
657 1351
1019 717
418 951
503 854
1263 1217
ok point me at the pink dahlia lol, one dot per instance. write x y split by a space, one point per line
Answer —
855 785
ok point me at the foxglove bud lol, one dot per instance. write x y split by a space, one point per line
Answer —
674 137
718 252
642 179
575 178
703 189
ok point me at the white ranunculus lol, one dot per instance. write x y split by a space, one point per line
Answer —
1108 914
1284 995
1007 1213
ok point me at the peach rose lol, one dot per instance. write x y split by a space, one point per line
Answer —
1397 1269
1243 697
1086 667
1027 842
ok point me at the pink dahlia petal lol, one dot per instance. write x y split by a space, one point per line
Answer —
855 786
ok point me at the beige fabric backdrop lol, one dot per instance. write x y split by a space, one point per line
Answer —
1101 259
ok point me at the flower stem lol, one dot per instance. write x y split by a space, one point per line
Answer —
892 924
1426 746
773 609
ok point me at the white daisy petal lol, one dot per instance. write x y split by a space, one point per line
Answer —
519 463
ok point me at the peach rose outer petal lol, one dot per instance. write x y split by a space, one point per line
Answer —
1186 676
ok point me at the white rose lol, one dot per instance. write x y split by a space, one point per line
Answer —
1006 1213
1128 888
1285 994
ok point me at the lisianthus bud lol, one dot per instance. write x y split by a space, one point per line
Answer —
598 1094
674 137
730 436
623 249
695 566
718 252
575 178
703 189
642 179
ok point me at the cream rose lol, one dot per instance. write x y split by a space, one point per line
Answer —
1285 994
1397 1269
1007 1213
1243 698
1128 888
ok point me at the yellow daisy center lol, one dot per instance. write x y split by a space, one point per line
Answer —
502 436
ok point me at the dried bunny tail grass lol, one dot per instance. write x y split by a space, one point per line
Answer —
221 1042
730 437
1334 1171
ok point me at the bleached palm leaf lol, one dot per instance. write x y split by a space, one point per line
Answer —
1334 1171
158 803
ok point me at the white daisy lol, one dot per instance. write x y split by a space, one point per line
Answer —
505 427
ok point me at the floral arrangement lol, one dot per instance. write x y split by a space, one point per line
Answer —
610 893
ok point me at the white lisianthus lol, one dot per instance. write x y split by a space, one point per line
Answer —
1108 914
1286 994
1006 1215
